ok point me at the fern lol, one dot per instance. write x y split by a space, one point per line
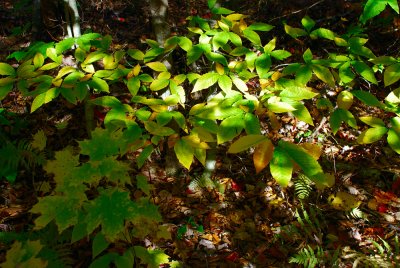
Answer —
307 257
302 186
203 182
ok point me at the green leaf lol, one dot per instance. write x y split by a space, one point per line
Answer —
184 152
239 51
339 116
365 71
345 73
157 66
245 142
99 85
24 255
268 48
194 53
206 81
185 43
133 85
259 26
307 23
371 135
301 112
303 74
391 74
323 33
280 107
43 98
240 84
294 32
217 57
144 155
110 210
263 63
153 258
153 53
230 128
307 56
143 184
252 36
395 122
235 39
297 93
221 11
301 157
345 100
394 96
251 124
372 9
225 83
220 39
62 209
99 245
65 45
323 74
281 166
367 98
155 129
93 56
394 140
136 54
280 54
5 89
159 84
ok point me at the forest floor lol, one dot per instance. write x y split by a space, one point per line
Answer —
253 222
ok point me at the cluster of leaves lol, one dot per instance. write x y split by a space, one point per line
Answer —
91 196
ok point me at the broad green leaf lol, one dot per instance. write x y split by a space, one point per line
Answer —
159 84
280 54
281 166
323 33
93 56
239 51
251 124
5 89
217 57
153 53
64 45
259 26
245 142
367 98
365 71
252 36
157 66
62 209
221 11
391 74
230 128
133 85
194 54
155 129
373 8
184 152
297 93
280 107
110 210
307 56
339 116
39 140
294 32
144 155
107 101
395 122
206 81
220 39
38 60
301 112
24 255
240 84
143 184
384 60
394 4
394 96
99 85
153 258
185 43
307 23
303 74
268 48
324 74
345 73
235 39
99 244
263 63
250 59
49 66
301 157
371 135
263 155
394 140
225 83
345 100
44 98
372 121
136 54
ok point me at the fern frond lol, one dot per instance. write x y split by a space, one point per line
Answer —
203 182
307 257
302 186
356 214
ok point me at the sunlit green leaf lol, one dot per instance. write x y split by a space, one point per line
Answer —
281 166
371 135
245 142
394 140
391 74
206 81
184 152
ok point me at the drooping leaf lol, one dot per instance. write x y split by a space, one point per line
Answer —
394 140
371 135
339 116
365 71
184 152
391 74
99 244
245 142
206 81
6 69
366 97
263 63
281 166
324 74
251 124
225 83
294 32
297 93
372 121
263 155
252 36
159 84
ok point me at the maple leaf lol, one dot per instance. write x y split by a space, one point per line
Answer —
63 209
23 255
113 169
111 209
63 166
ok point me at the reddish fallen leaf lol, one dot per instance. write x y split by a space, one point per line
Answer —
382 208
235 186
374 231
386 197
233 257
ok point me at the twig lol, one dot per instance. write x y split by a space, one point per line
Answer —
298 11
316 131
